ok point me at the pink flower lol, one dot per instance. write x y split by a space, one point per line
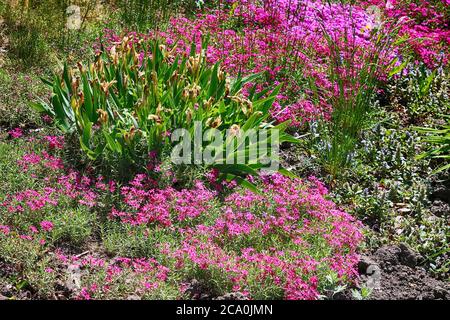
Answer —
55 142
5 229
47 225
16 133
84 294
33 229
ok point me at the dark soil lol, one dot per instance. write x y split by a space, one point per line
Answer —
395 273
7 290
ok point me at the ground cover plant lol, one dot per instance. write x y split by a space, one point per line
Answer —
94 205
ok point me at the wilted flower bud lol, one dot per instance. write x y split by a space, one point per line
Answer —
235 130
75 83
217 122
185 93
174 76
103 116
80 67
154 117
159 109
220 74
129 136
106 85
81 101
154 77
188 116
193 64
208 103
247 107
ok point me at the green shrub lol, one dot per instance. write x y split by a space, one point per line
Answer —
72 225
28 45
128 102
38 31
440 144
143 14
419 93
34 268
139 241
16 91
30 28
356 75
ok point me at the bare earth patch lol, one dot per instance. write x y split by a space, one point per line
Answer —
401 277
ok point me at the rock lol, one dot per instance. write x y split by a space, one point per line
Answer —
197 290
394 255
205 296
2 297
440 191
364 263
133 297
400 276
73 282
388 255
408 257
440 208
232 296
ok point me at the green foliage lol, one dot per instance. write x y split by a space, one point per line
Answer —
141 15
356 77
362 294
30 25
73 225
33 265
136 241
419 93
389 177
16 91
440 144
389 189
129 101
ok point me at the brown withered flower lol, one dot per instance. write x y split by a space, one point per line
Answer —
235 130
159 110
103 116
154 117
193 64
174 77
114 55
81 95
216 123
227 87
106 85
247 107
129 136
189 115
208 103
80 67
91 68
220 74
185 93
154 77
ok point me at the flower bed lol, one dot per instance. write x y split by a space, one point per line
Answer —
287 242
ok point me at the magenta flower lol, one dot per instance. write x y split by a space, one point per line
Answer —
47 225
16 133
